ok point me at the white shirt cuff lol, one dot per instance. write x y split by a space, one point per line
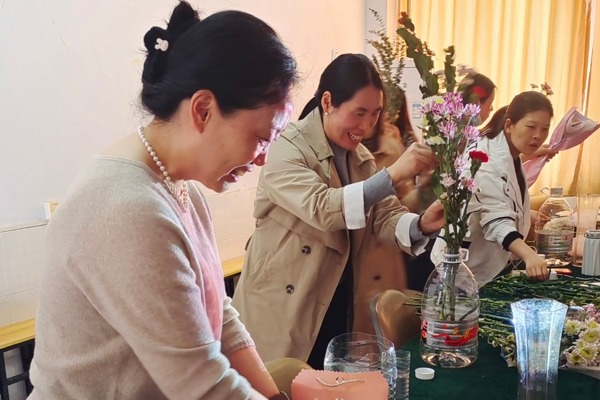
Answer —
403 237
354 206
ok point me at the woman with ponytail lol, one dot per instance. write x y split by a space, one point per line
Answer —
477 88
322 210
499 212
132 303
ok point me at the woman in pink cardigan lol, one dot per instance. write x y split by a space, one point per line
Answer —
132 301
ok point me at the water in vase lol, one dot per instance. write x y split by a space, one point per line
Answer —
450 315
449 344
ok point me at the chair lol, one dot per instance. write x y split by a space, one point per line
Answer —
284 370
392 319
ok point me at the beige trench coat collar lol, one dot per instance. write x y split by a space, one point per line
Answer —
312 129
359 166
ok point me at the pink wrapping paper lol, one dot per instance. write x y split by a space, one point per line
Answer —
311 384
571 131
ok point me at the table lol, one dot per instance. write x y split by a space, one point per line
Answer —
231 271
16 336
489 378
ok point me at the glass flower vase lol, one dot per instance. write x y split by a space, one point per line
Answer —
362 352
538 332
450 314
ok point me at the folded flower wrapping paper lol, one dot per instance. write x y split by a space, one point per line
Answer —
571 131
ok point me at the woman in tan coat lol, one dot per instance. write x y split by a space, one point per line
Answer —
321 207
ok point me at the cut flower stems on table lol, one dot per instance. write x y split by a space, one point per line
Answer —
580 346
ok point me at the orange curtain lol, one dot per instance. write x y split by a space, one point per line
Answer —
519 42
587 173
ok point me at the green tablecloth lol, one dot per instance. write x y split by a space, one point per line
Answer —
489 378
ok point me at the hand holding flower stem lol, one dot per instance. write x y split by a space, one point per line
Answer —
417 158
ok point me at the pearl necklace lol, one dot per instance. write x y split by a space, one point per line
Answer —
178 191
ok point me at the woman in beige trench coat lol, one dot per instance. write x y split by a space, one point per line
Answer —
320 208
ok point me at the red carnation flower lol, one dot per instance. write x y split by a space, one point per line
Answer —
479 155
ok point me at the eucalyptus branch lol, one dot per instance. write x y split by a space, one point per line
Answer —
387 53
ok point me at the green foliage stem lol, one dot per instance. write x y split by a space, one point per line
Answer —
389 63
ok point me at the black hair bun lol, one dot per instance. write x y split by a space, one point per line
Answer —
158 41
156 60
183 17
151 38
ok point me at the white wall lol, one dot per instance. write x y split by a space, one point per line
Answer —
69 81
70 71
70 77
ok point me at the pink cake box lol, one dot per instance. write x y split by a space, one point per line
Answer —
313 384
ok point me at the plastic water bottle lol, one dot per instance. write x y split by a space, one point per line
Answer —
554 229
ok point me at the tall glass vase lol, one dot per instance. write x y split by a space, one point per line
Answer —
450 315
538 331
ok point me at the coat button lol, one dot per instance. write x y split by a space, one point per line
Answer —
289 289
306 250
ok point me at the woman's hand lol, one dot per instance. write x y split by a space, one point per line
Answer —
536 268
544 150
432 219
248 363
534 215
392 131
423 181
416 159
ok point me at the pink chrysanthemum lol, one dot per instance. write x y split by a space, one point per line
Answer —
447 180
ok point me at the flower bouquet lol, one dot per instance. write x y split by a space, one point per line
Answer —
581 341
450 303
448 128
